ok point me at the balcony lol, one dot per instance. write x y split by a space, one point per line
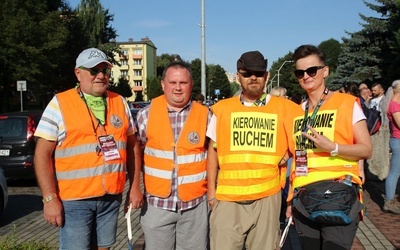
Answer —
137 56
137 88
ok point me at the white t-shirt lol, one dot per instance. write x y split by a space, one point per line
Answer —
358 115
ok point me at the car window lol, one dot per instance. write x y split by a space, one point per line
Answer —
13 127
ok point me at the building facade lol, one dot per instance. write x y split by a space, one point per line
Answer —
138 63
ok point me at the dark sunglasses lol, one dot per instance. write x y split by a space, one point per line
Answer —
311 71
247 74
95 72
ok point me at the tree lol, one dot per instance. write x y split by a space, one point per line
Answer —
154 87
122 87
286 76
33 48
93 18
218 79
373 54
332 49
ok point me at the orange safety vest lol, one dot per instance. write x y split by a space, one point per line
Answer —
188 155
82 172
335 121
251 142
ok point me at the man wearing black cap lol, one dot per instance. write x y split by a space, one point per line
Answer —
84 149
248 147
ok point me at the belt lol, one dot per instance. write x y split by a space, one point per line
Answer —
248 202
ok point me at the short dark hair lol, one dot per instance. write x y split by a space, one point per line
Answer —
308 50
179 65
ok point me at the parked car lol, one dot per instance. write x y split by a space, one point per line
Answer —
17 143
136 106
3 192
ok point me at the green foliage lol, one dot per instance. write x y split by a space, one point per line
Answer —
122 87
139 96
154 88
10 242
235 87
373 54
332 49
217 79
92 15
33 47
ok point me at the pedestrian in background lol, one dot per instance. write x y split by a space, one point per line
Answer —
328 139
172 155
279 92
90 133
247 145
392 111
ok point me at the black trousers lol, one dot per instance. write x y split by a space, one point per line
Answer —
317 236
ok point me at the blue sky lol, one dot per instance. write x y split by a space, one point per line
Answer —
274 27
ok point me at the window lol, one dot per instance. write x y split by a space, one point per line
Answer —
124 62
137 52
137 62
138 83
137 73
124 72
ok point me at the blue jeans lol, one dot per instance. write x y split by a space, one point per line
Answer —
90 222
394 172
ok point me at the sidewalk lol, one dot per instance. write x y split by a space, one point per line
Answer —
378 231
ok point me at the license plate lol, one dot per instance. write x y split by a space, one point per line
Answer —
4 152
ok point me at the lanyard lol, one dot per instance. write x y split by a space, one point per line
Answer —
310 122
91 114
259 102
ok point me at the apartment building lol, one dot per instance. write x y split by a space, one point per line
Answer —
138 63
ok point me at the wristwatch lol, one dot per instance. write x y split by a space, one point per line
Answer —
335 152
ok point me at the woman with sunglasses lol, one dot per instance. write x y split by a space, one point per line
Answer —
329 136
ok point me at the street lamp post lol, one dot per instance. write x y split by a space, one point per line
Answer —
209 88
281 68
270 82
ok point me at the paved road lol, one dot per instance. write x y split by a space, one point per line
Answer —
24 215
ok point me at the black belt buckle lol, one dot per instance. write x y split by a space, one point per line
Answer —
248 202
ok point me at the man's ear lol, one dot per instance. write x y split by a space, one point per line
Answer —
78 74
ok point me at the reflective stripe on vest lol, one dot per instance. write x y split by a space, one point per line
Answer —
80 170
187 155
249 168
89 172
169 155
82 149
255 158
338 128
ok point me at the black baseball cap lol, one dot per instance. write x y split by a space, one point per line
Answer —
252 60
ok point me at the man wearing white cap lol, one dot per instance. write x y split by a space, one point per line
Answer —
84 148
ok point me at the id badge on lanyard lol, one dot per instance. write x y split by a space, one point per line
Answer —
301 158
301 166
109 147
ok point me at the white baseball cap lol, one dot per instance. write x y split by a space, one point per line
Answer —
90 58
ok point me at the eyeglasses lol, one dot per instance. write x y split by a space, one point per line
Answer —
311 71
247 74
95 72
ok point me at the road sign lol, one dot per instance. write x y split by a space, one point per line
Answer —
217 92
21 85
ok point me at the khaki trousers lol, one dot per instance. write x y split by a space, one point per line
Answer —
253 226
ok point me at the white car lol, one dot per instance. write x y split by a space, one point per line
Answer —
3 191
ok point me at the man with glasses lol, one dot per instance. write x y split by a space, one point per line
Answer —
84 149
246 162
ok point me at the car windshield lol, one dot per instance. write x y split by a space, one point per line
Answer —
13 127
